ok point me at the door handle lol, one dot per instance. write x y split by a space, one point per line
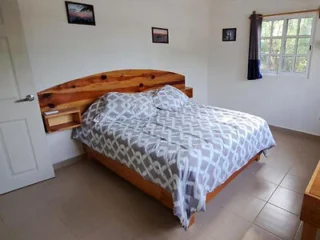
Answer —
28 98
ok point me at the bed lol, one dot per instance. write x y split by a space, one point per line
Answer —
183 158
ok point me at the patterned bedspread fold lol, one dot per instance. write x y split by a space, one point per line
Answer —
189 152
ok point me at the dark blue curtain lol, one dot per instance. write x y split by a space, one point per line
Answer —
254 71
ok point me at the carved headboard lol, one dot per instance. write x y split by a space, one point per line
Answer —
82 92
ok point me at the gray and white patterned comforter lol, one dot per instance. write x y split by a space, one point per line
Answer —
189 152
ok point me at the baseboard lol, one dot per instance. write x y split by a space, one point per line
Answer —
68 162
295 133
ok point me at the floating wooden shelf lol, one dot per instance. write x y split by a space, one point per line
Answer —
63 120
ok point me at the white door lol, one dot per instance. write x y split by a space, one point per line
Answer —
24 158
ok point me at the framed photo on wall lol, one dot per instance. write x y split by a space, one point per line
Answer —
80 13
229 34
160 35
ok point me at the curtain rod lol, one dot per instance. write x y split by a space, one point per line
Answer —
289 13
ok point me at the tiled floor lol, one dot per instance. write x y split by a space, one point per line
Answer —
86 201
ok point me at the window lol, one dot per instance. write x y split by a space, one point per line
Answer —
286 45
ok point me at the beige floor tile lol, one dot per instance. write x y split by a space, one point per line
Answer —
203 237
265 172
303 169
170 232
271 174
225 197
257 233
178 233
245 206
155 218
4 232
16 217
288 200
42 224
282 161
259 188
21 202
252 185
220 226
278 221
247 185
160 221
83 215
71 181
211 216
114 229
295 183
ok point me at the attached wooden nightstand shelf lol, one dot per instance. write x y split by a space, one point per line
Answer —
63 120
188 91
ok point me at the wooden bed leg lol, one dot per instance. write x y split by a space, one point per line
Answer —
258 158
89 156
88 153
192 220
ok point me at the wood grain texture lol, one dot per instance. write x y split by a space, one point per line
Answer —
63 120
150 188
313 187
188 91
309 232
310 213
82 92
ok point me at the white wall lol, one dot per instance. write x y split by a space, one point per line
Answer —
121 39
287 102
60 52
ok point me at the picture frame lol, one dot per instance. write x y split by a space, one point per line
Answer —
229 35
80 13
160 35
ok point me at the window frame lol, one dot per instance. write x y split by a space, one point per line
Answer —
283 38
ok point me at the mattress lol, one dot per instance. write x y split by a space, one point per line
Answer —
189 152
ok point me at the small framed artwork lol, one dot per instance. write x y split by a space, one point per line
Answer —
80 13
160 35
229 34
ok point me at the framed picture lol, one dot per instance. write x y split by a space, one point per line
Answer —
160 35
229 34
80 13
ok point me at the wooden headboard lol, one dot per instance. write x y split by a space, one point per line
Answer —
82 92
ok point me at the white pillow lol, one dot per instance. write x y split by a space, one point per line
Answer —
170 98
123 106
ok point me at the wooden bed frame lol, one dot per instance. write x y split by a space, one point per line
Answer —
81 93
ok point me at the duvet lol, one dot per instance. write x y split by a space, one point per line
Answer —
189 152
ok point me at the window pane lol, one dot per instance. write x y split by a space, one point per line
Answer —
290 46
264 62
306 26
292 27
266 29
287 64
277 28
303 46
301 64
274 63
276 46
265 45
